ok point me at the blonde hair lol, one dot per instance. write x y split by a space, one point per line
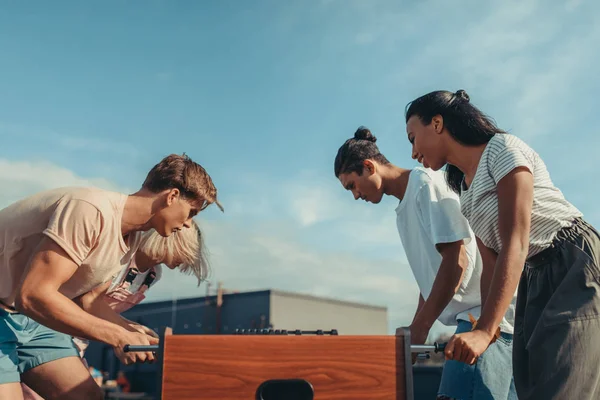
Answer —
186 246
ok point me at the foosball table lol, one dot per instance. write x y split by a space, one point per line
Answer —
286 365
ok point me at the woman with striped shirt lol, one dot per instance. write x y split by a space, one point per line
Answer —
530 237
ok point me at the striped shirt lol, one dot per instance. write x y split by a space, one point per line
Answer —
479 203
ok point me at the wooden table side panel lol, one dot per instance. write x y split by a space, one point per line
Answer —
232 367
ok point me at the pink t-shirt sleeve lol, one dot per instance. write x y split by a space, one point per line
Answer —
75 226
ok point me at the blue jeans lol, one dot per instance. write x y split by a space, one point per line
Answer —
491 377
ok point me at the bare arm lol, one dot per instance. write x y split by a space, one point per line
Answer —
447 281
419 306
84 301
39 298
515 199
93 302
488 257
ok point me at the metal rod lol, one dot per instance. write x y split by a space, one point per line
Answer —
415 348
426 348
422 348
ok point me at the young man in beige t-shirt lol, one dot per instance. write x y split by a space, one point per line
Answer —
62 243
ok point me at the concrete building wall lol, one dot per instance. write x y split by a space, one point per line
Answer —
297 311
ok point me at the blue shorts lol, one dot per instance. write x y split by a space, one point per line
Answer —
25 344
491 377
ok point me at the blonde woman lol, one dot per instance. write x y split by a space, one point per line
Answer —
184 250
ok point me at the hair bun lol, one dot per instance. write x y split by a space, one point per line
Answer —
461 94
363 133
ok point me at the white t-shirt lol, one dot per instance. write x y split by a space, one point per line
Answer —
550 211
429 214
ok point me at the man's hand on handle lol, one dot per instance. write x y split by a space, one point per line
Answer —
138 339
143 329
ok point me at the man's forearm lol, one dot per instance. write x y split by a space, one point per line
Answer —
505 280
93 303
444 288
54 310
99 308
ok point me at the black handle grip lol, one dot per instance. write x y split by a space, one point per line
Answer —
128 348
440 347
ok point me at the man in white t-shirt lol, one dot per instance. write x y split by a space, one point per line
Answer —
442 252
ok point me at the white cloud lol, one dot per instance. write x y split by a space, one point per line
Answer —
64 140
320 207
310 203
259 257
308 236
572 5
251 260
523 58
19 179
164 76
364 38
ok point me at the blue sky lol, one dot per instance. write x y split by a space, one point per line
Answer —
262 93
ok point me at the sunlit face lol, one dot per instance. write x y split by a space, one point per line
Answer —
367 187
427 145
144 262
172 263
176 215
